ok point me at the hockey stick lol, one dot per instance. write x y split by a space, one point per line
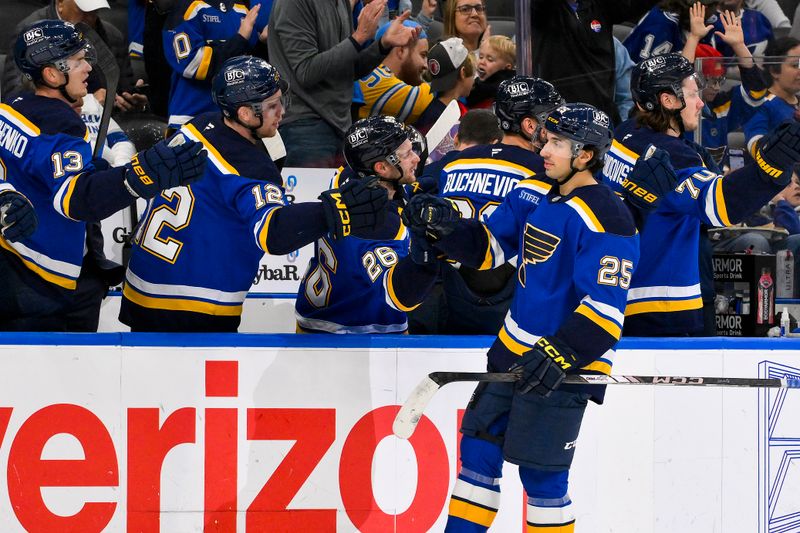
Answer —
410 413
109 70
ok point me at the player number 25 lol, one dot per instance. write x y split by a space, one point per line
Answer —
614 272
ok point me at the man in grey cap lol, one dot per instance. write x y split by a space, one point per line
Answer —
87 12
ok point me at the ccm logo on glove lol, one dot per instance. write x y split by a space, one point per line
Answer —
553 353
344 216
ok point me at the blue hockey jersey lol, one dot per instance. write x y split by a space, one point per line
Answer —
630 142
479 177
348 288
658 32
770 115
136 14
576 255
730 109
45 154
197 248
757 33
198 38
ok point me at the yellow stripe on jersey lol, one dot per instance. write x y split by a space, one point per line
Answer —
55 279
240 8
598 227
624 149
719 199
663 306
489 161
26 125
471 513
68 195
385 94
723 109
609 326
537 185
179 304
510 343
337 177
757 95
216 157
401 231
488 259
262 235
598 366
565 528
202 70
393 296
193 8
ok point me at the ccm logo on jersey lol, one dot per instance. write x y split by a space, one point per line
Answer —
553 353
639 191
137 168
344 215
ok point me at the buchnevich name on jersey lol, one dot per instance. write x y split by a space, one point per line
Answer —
489 183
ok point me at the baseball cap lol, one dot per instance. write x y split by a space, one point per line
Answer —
382 29
88 6
444 61
712 67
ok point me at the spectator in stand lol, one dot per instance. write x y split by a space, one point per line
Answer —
622 79
772 10
87 12
666 28
727 110
396 88
781 103
136 13
198 39
117 149
497 57
452 72
465 19
313 44
573 46
756 29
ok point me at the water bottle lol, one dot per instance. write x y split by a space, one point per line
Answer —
784 322
765 310
785 281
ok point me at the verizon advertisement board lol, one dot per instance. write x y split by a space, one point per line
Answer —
148 433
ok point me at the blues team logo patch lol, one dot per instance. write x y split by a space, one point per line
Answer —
538 247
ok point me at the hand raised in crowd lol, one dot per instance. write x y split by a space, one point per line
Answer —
368 21
399 35
249 21
733 35
697 21
428 7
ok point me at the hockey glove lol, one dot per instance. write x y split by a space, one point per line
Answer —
356 208
650 180
544 366
164 166
17 216
777 152
421 250
433 215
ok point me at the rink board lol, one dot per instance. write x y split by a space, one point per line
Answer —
126 432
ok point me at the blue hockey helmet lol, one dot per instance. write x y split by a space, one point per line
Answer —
245 81
48 43
659 74
521 97
584 125
371 140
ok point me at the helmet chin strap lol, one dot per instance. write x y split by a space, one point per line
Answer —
62 89
253 129
576 148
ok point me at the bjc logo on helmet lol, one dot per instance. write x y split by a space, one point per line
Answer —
234 75
33 35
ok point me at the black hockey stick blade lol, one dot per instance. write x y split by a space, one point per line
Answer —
411 411
109 70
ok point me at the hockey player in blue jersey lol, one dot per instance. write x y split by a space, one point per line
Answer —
577 248
367 284
197 249
663 29
665 297
198 38
781 103
477 180
46 157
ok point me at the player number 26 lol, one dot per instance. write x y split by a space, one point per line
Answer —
375 262
614 271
